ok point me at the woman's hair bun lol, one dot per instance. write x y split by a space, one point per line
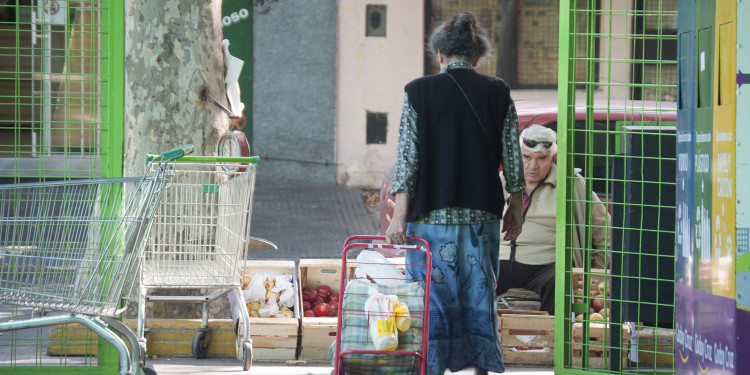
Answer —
460 36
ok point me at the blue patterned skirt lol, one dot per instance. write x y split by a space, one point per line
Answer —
463 331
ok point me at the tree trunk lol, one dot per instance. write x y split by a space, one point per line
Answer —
506 50
173 53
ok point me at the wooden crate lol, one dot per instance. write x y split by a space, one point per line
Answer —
527 339
275 338
655 347
598 346
167 338
319 332
596 276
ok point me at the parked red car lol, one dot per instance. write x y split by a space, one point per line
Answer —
544 112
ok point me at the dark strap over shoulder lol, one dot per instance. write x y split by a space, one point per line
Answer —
481 124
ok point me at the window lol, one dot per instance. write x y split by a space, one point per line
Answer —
375 20
377 123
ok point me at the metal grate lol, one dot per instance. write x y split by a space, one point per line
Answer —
618 125
56 59
61 110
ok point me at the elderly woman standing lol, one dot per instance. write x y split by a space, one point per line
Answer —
457 128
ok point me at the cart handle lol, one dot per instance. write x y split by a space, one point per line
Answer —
388 246
171 155
210 159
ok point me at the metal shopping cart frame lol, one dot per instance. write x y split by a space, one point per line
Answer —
200 239
363 358
75 246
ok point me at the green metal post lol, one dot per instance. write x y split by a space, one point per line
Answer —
566 95
113 90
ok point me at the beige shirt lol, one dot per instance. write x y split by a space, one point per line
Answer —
536 244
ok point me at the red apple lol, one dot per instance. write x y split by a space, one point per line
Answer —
322 309
324 291
309 294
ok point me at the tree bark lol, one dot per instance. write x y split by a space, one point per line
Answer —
506 50
172 54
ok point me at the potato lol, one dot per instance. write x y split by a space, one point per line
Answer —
254 314
269 284
287 314
596 316
245 282
604 312
253 306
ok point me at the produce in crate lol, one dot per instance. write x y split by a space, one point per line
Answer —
269 294
320 301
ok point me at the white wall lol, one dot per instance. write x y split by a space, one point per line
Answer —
616 49
371 75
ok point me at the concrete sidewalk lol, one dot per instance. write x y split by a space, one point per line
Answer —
309 222
220 366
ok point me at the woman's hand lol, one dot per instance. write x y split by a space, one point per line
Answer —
396 232
513 217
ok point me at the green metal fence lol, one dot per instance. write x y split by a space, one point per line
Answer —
617 124
61 117
61 89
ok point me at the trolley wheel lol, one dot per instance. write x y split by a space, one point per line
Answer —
239 338
142 346
200 344
148 371
247 356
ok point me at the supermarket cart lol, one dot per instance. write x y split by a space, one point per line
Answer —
199 241
74 247
355 351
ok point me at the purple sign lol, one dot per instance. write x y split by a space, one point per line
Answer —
705 337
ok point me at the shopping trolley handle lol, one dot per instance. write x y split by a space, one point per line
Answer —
172 154
394 246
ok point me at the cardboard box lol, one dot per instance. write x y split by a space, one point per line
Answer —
318 333
275 339
527 339
598 344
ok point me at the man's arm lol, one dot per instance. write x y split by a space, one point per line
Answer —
513 218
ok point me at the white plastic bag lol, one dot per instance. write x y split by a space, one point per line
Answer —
382 321
285 286
256 290
379 268
234 66
270 309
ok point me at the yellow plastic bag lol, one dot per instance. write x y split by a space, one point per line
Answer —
403 319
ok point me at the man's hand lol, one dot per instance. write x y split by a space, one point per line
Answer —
513 218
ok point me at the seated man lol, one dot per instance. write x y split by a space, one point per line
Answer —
529 261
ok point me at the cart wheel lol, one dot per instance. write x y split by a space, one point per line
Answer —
200 344
247 356
148 371
239 338
142 346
